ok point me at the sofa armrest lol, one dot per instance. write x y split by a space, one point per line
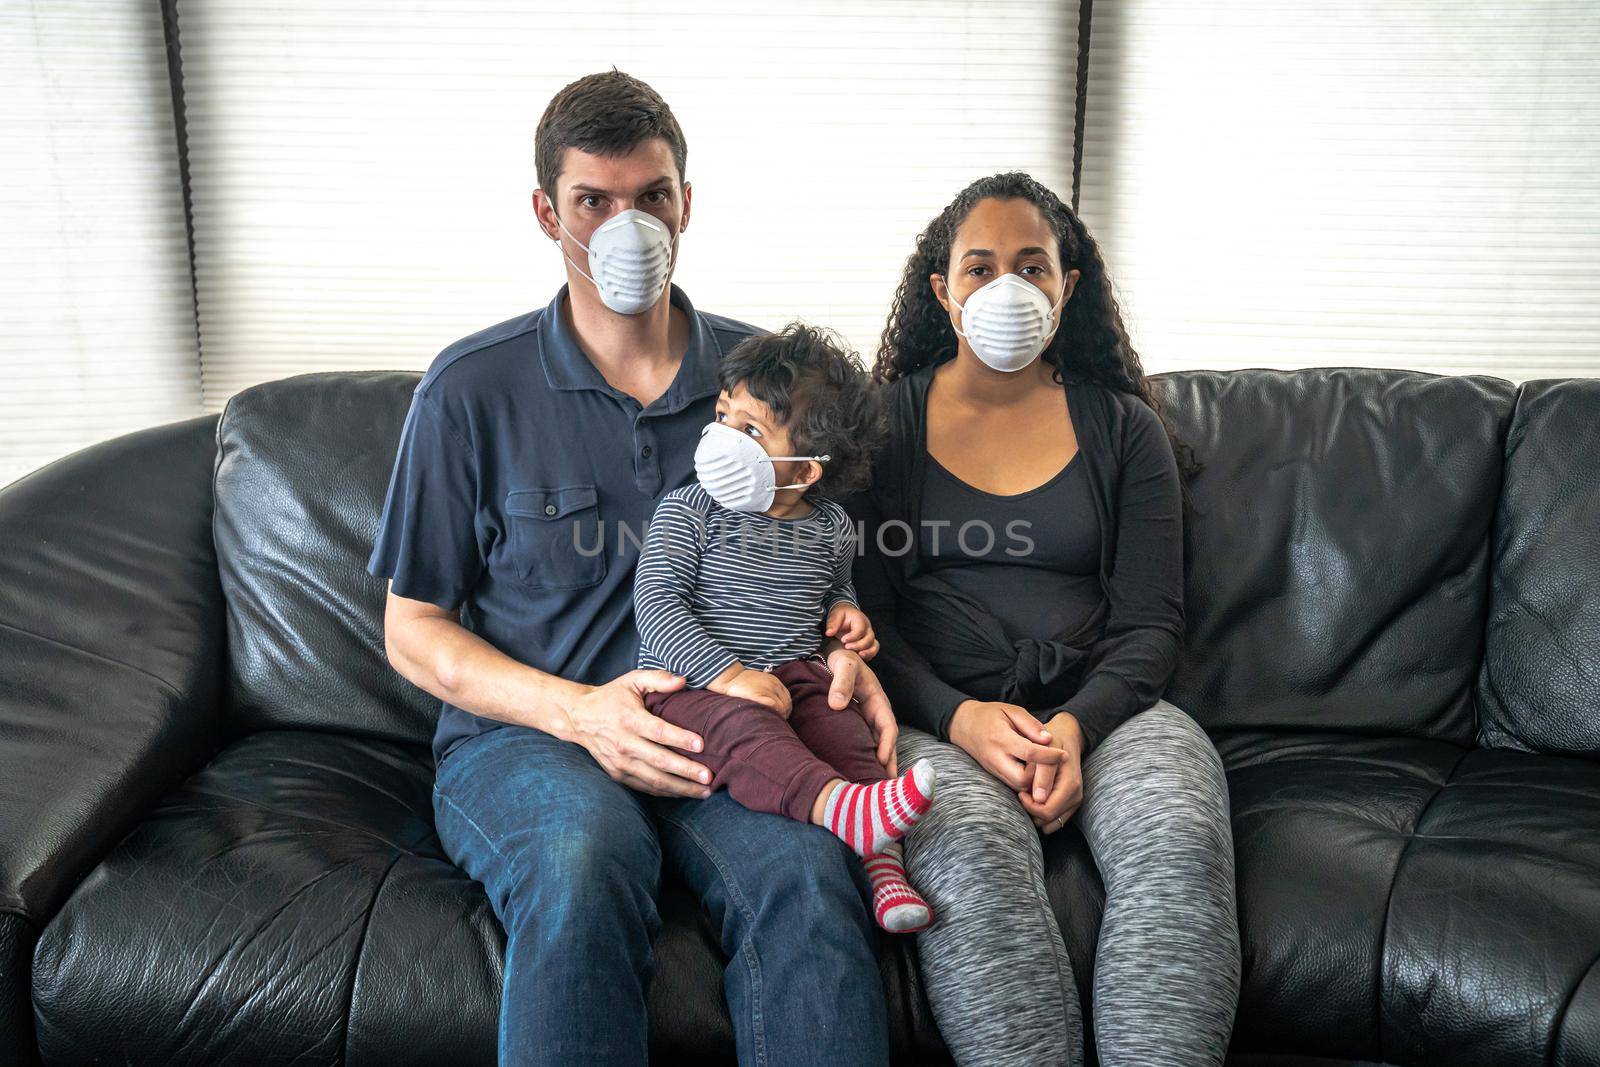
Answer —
111 651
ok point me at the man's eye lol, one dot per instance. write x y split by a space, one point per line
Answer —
590 201
657 196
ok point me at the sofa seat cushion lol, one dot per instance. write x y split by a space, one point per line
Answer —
1493 948
288 903
291 903
1411 901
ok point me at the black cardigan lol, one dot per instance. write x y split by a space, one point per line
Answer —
1134 478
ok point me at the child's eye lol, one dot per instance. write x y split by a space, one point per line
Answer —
752 431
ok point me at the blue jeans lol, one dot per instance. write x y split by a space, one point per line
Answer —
571 861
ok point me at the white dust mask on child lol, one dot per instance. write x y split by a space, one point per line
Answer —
631 256
735 471
1007 322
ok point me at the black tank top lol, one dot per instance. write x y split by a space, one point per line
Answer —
1032 559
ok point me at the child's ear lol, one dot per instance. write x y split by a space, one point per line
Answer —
810 473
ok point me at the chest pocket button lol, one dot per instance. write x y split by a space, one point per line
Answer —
556 537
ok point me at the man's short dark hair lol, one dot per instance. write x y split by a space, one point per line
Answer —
817 387
607 114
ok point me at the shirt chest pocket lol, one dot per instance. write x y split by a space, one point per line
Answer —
556 539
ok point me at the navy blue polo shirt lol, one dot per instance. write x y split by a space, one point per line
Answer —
523 486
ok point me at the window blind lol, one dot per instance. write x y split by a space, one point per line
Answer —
95 290
1368 184
361 169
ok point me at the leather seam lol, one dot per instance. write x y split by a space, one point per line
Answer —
361 950
168 686
220 457
1566 1009
297 816
1388 904
1491 568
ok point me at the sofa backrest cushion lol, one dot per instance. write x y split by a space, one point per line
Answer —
1337 559
1539 689
302 466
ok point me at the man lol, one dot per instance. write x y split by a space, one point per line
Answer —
532 457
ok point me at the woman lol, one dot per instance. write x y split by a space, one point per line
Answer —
1022 562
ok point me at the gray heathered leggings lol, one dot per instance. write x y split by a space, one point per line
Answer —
1166 973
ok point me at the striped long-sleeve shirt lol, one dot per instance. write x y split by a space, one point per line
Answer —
715 585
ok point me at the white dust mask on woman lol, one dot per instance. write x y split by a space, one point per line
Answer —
1008 321
736 471
631 257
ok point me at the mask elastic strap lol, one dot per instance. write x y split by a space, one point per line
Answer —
568 232
1051 335
959 307
577 242
796 485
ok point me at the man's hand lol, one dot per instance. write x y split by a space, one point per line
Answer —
853 629
854 682
630 743
1005 739
1057 789
759 686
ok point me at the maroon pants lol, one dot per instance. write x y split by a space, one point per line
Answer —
766 762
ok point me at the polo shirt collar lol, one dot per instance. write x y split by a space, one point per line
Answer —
568 368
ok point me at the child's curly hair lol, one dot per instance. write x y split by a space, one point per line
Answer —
818 388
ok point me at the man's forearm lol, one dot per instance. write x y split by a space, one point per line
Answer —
442 657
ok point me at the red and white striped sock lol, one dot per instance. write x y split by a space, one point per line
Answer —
870 818
898 908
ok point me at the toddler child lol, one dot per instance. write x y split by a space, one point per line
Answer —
741 576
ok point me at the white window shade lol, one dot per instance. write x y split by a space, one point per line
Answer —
1370 184
361 171
95 293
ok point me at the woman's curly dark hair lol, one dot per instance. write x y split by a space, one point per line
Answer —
817 386
1091 345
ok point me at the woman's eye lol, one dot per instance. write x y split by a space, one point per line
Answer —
976 271
1033 267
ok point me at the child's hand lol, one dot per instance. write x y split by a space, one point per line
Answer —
761 687
853 629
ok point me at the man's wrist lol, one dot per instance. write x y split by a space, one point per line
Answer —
553 701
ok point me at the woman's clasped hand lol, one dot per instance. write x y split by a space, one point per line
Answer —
1040 762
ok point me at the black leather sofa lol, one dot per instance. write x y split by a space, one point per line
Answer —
215 833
